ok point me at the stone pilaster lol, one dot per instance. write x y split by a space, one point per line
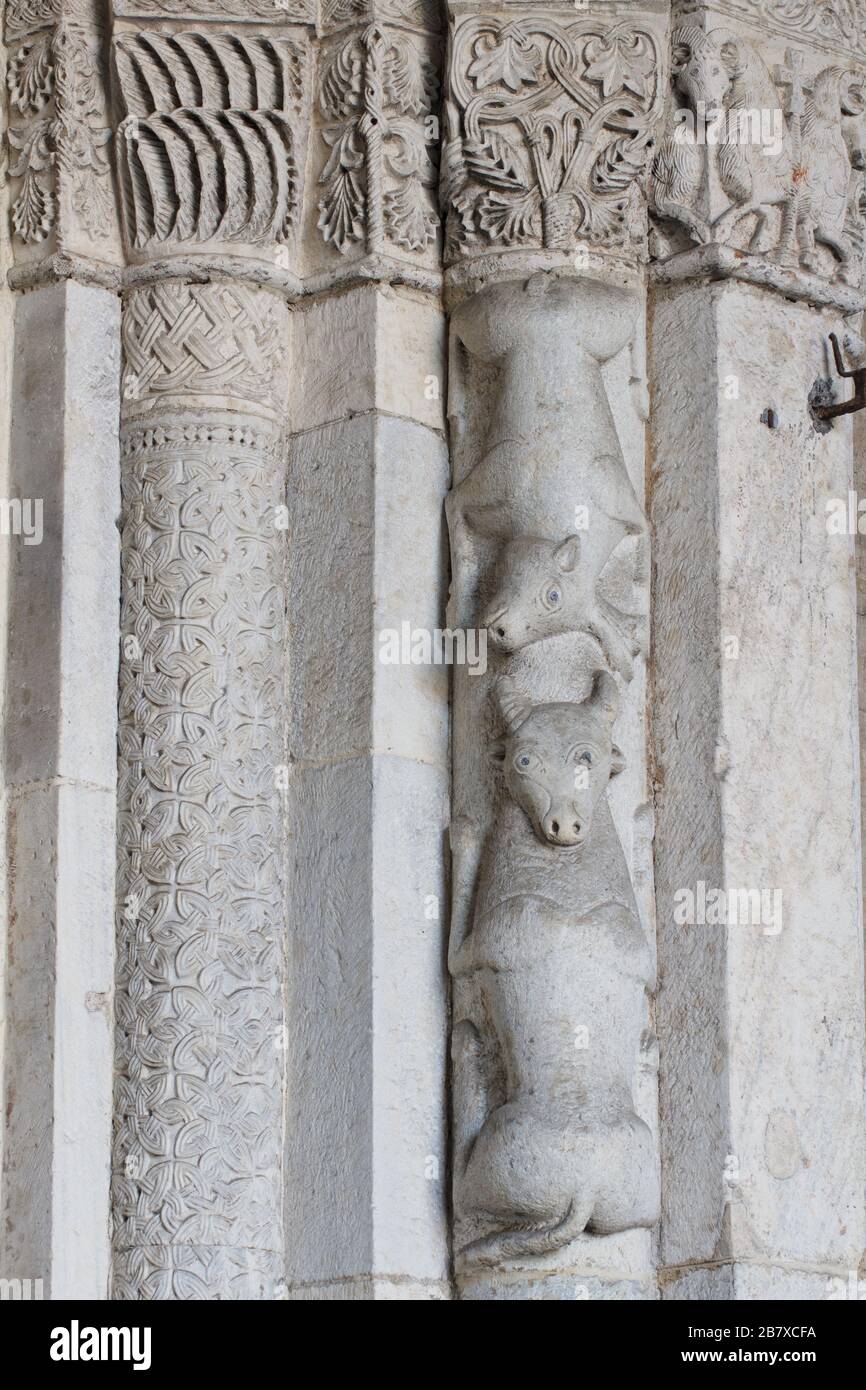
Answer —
60 565
754 690
367 1160
210 156
550 122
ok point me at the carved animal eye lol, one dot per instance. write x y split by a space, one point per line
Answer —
586 757
523 761
551 597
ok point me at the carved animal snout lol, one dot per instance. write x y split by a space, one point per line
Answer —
564 827
498 634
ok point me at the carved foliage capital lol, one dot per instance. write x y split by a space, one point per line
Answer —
549 130
377 141
211 146
58 136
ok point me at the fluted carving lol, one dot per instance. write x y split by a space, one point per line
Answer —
209 148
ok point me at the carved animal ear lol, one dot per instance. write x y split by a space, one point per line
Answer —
605 694
568 554
729 51
617 760
513 706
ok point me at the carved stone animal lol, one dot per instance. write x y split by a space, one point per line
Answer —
548 1141
541 591
721 72
826 192
552 450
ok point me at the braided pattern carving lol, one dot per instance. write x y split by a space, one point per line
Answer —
214 339
196 1155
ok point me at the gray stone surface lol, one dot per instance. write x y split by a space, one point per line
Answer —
761 1024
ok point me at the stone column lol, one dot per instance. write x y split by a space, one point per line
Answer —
211 155
754 692
367 1161
60 567
550 124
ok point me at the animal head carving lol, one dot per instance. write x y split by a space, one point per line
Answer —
705 64
559 758
543 588
540 591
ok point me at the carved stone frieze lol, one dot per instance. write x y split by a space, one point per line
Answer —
275 11
761 157
58 137
196 1186
835 23
211 147
549 131
425 15
377 96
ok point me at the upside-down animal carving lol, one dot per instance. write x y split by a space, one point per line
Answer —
552 484
548 1140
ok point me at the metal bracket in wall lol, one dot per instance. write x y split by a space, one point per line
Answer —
821 403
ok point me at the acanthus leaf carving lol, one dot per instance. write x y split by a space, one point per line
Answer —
378 177
54 83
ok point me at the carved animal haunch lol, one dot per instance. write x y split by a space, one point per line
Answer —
548 1141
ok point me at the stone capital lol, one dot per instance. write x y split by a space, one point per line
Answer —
759 175
58 132
550 117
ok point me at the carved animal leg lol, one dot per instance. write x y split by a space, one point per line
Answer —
838 244
533 1239
760 227
698 228
465 860
464 561
616 648
727 221
469 1089
791 222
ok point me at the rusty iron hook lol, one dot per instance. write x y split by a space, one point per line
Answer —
857 401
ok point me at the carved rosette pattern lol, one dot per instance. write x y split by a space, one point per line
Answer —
782 177
548 133
377 93
197 1141
57 133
